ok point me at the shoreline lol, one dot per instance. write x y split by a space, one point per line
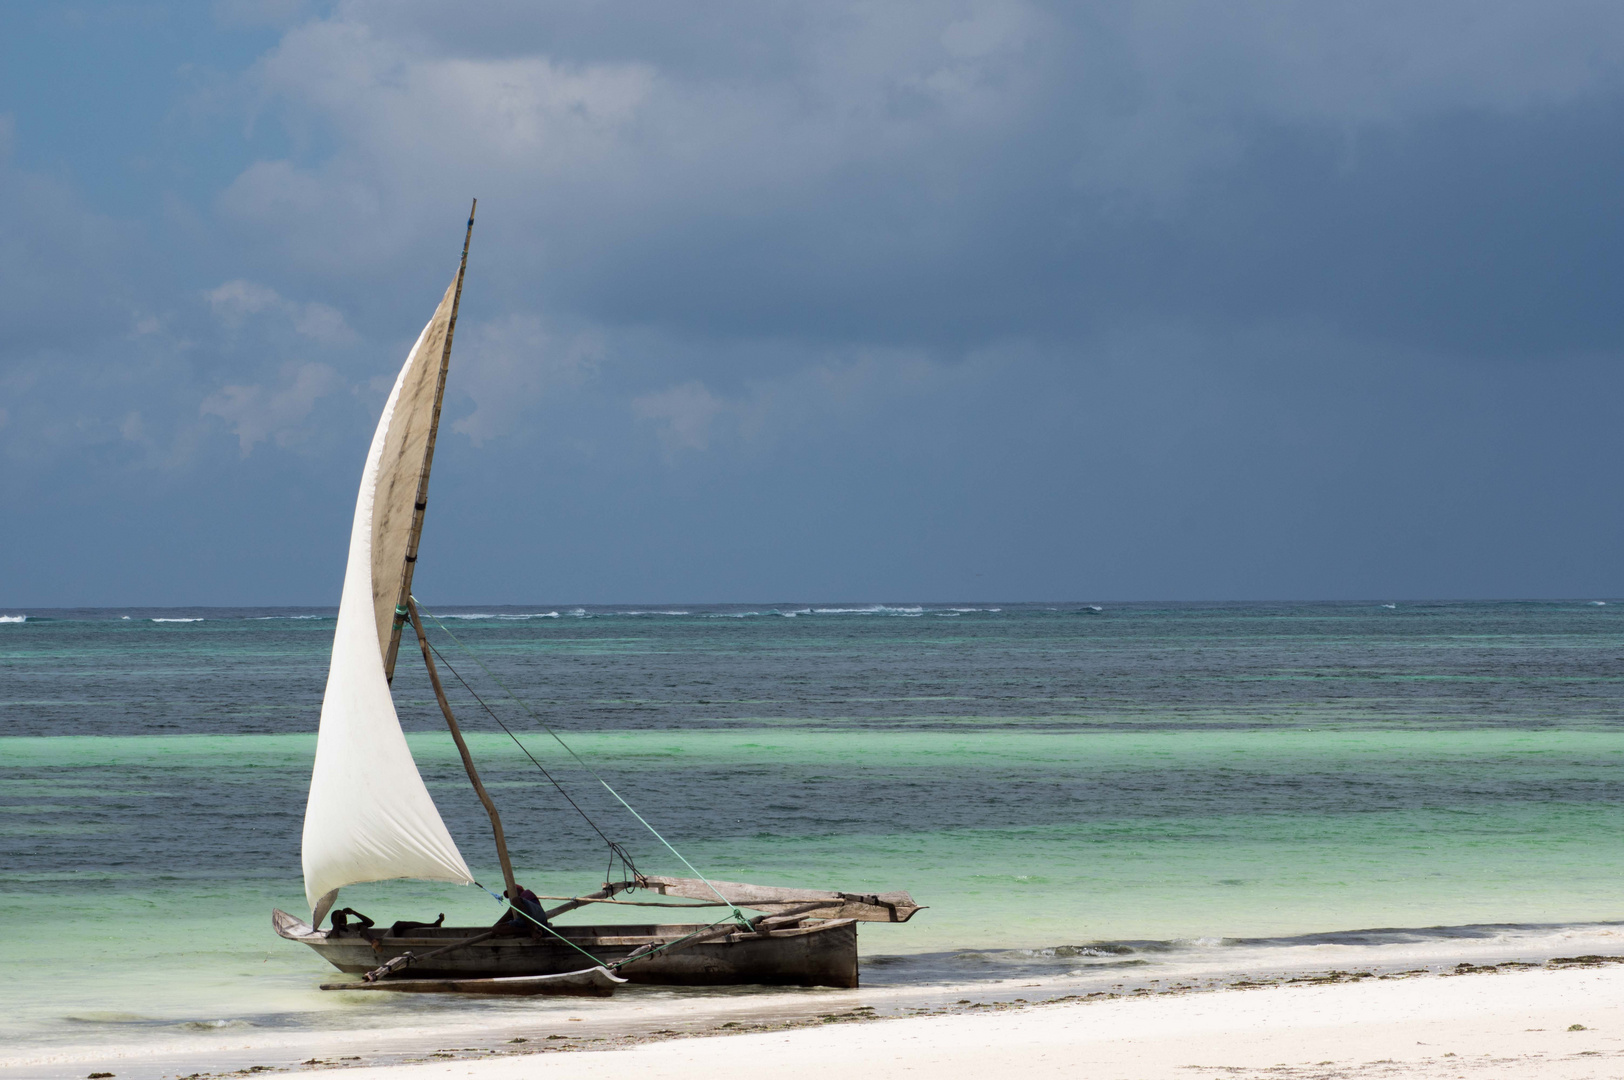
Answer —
790 1015
1552 1022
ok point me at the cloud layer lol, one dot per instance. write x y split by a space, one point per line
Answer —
964 299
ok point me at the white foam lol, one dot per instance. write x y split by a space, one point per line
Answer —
1390 607
13 618
1598 603
493 615
653 613
199 619
266 618
871 609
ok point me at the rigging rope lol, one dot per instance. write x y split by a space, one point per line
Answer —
642 953
505 902
616 851
734 912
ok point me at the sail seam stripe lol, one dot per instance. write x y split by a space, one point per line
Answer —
737 915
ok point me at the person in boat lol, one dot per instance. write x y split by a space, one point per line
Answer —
525 904
341 923
402 927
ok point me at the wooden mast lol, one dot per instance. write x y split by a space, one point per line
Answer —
421 504
406 607
467 758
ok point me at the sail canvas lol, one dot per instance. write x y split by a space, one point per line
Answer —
369 816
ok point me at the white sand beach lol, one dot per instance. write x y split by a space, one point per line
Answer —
1559 1022
1507 1024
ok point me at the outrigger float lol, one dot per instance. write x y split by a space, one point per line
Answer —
370 817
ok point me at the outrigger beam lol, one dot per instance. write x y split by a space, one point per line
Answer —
892 907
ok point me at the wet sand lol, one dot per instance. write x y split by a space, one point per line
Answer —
1562 1022
1559 1019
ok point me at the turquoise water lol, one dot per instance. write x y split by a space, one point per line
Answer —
1054 782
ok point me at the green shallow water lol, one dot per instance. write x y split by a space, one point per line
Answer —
1073 837
1169 778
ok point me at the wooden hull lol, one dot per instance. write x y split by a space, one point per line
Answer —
817 954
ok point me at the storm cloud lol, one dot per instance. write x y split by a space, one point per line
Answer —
766 301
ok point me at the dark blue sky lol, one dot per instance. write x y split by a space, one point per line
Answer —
995 300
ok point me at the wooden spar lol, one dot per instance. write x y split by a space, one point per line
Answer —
588 982
761 924
601 896
866 907
405 958
462 748
421 505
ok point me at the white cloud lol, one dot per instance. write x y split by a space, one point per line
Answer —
684 414
318 322
608 123
235 301
508 366
255 413
604 144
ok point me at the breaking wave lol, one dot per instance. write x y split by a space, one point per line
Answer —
198 618
509 617
13 618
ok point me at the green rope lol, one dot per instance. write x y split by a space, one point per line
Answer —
737 915
618 964
545 927
611 965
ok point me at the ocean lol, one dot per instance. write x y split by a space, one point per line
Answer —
1077 792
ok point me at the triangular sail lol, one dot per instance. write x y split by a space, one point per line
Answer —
369 817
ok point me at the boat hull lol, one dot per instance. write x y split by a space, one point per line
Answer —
816 954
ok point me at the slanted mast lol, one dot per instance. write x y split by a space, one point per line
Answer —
369 816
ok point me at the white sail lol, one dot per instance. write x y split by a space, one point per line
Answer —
369 817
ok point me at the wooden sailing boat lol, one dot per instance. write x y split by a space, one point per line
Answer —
370 817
